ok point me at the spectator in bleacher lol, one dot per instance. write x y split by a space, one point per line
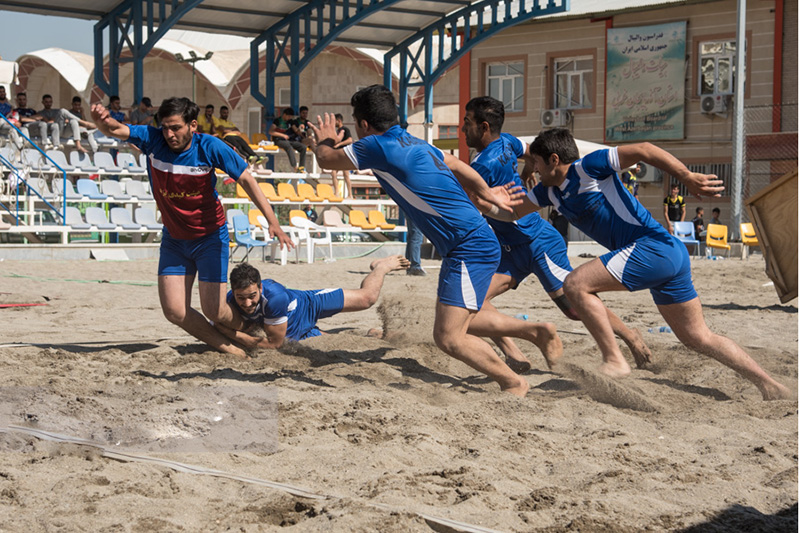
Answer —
142 115
280 132
230 133
25 113
299 125
12 117
310 213
54 121
77 110
344 140
115 109
207 122
195 241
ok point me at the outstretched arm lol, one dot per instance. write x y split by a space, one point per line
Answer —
108 125
275 335
698 184
479 192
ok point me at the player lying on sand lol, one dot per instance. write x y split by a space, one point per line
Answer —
644 255
292 314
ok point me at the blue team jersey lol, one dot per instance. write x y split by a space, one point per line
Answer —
497 165
278 305
597 203
413 173
5 108
183 184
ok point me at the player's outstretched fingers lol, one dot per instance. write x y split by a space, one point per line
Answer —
393 262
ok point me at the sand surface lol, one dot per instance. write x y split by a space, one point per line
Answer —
367 435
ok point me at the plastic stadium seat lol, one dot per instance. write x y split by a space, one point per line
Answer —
307 192
71 195
297 213
269 191
130 163
242 237
82 161
106 163
684 231
377 218
287 191
147 218
97 217
325 192
308 228
136 189
122 217
40 186
240 192
358 218
34 159
253 215
333 219
258 137
60 159
717 237
113 188
75 220
749 238
230 213
88 188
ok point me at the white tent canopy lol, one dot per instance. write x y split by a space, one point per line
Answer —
8 74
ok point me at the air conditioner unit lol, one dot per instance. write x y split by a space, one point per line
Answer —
553 118
714 103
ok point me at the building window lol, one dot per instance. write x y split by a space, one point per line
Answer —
448 132
506 82
717 62
573 83
284 97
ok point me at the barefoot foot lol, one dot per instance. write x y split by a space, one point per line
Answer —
615 369
520 388
548 342
777 392
393 262
640 351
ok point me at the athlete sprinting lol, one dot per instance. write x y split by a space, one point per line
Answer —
427 185
644 255
529 245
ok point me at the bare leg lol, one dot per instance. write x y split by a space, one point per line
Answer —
367 295
450 332
335 181
346 174
581 288
686 320
175 293
515 359
489 322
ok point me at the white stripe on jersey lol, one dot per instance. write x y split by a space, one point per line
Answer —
349 152
616 265
164 166
467 290
559 273
276 321
325 291
292 305
415 201
607 188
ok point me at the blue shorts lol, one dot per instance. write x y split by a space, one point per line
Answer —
185 257
545 257
311 307
659 263
468 269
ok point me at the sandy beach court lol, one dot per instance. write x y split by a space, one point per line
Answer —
346 432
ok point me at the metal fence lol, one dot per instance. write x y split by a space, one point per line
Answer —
763 166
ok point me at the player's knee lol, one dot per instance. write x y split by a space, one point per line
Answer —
572 287
563 303
173 315
446 342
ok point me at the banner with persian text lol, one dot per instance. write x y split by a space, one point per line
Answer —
645 82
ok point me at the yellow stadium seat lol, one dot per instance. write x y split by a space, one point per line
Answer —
269 191
717 237
377 218
325 192
306 192
253 215
240 192
297 213
358 218
749 238
287 191
258 137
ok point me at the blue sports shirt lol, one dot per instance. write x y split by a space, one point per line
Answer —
278 305
497 165
597 203
413 173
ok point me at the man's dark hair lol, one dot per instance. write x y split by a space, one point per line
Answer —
288 111
716 210
489 110
244 275
339 116
76 99
210 106
47 96
303 108
697 210
182 106
223 107
557 141
376 105
113 98
146 101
